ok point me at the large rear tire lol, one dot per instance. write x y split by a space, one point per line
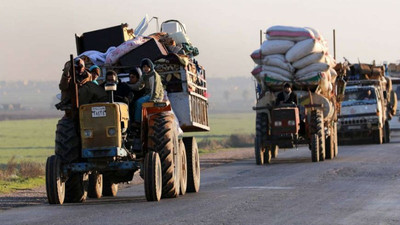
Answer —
152 176
317 122
261 132
258 151
193 164
76 187
314 145
67 141
55 186
184 172
330 145
336 139
95 189
163 138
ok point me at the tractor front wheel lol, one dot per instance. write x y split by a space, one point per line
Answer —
152 176
55 186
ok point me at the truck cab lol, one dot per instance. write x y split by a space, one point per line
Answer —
362 114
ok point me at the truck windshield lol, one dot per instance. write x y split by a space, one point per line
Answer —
359 96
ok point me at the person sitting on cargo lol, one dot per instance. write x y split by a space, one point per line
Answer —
287 96
123 89
151 82
95 71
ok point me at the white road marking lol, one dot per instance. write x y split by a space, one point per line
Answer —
264 187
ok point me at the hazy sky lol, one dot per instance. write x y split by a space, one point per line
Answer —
37 36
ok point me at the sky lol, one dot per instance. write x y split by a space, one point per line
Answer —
37 36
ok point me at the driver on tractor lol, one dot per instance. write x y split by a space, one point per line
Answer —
287 96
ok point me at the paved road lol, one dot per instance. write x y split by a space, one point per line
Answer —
361 186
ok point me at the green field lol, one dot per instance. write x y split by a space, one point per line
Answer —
33 140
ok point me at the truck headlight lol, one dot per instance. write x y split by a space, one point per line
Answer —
88 133
111 131
278 123
291 123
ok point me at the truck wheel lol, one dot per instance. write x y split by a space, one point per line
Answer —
314 148
76 187
163 139
109 187
378 136
55 186
318 123
95 189
193 164
184 171
330 145
67 140
259 153
336 152
275 151
152 176
387 132
268 155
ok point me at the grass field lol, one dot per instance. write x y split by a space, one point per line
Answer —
33 140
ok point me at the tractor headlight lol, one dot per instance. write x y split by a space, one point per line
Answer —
291 123
278 123
88 133
111 131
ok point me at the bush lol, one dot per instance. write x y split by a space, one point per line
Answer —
31 169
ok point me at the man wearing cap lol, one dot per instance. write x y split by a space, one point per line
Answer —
287 96
151 82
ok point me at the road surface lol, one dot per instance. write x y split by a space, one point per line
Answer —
360 186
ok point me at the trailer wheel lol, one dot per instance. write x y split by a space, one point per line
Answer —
330 145
193 164
259 153
314 148
184 172
268 155
318 123
109 187
336 152
378 136
76 187
152 176
387 132
163 139
95 189
55 186
275 151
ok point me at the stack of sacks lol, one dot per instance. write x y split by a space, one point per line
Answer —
296 55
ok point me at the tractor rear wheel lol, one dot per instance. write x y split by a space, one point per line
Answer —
163 138
76 187
193 164
95 189
330 145
336 152
317 123
67 140
109 187
314 148
152 176
261 131
55 186
184 172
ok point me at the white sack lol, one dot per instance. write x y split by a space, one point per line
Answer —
274 76
315 67
124 48
302 49
276 47
308 60
277 70
256 56
98 58
288 33
277 62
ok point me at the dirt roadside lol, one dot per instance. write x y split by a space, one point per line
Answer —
37 196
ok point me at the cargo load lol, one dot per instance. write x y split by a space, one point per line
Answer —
174 57
297 55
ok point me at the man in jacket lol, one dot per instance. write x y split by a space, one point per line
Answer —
286 96
151 82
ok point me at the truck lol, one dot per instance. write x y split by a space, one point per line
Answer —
95 148
312 120
368 106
